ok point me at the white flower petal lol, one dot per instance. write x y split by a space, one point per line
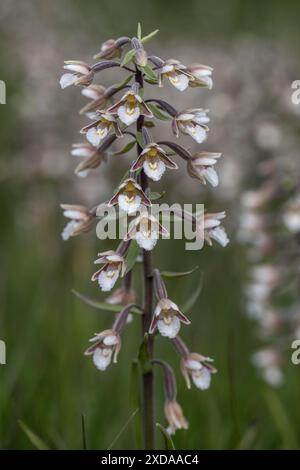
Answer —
67 79
110 340
219 235
107 281
171 329
210 175
154 174
82 152
102 358
69 229
179 81
128 116
202 378
197 132
148 243
93 137
129 206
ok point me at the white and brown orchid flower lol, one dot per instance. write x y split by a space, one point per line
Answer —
198 368
174 416
114 265
154 160
101 127
79 73
146 229
201 167
129 197
201 76
92 158
122 296
167 318
130 107
105 349
96 93
192 122
81 220
176 73
109 50
213 230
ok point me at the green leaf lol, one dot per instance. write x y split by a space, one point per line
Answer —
149 36
125 149
140 140
194 296
149 72
156 196
157 113
248 438
281 420
144 358
139 31
135 402
34 439
119 86
133 253
169 444
128 57
178 274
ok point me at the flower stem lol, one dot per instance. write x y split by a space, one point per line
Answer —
147 378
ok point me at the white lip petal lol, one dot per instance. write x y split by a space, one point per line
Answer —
67 79
83 173
193 365
73 214
154 174
197 133
129 207
128 117
102 358
170 330
93 137
219 235
210 175
146 243
202 378
69 229
179 81
107 282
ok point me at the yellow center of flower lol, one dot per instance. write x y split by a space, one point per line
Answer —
167 317
152 158
131 105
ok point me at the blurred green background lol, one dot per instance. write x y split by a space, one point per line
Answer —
47 383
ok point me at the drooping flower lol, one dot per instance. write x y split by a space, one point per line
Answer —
167 318
174 416
176 73
198 368
99 129
213 230
122 296
81 220
154 160
201 166
92 158
105 349
114 265
109 50
98 98
79 73
192 122
201 75
130 107
130 196
145 229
